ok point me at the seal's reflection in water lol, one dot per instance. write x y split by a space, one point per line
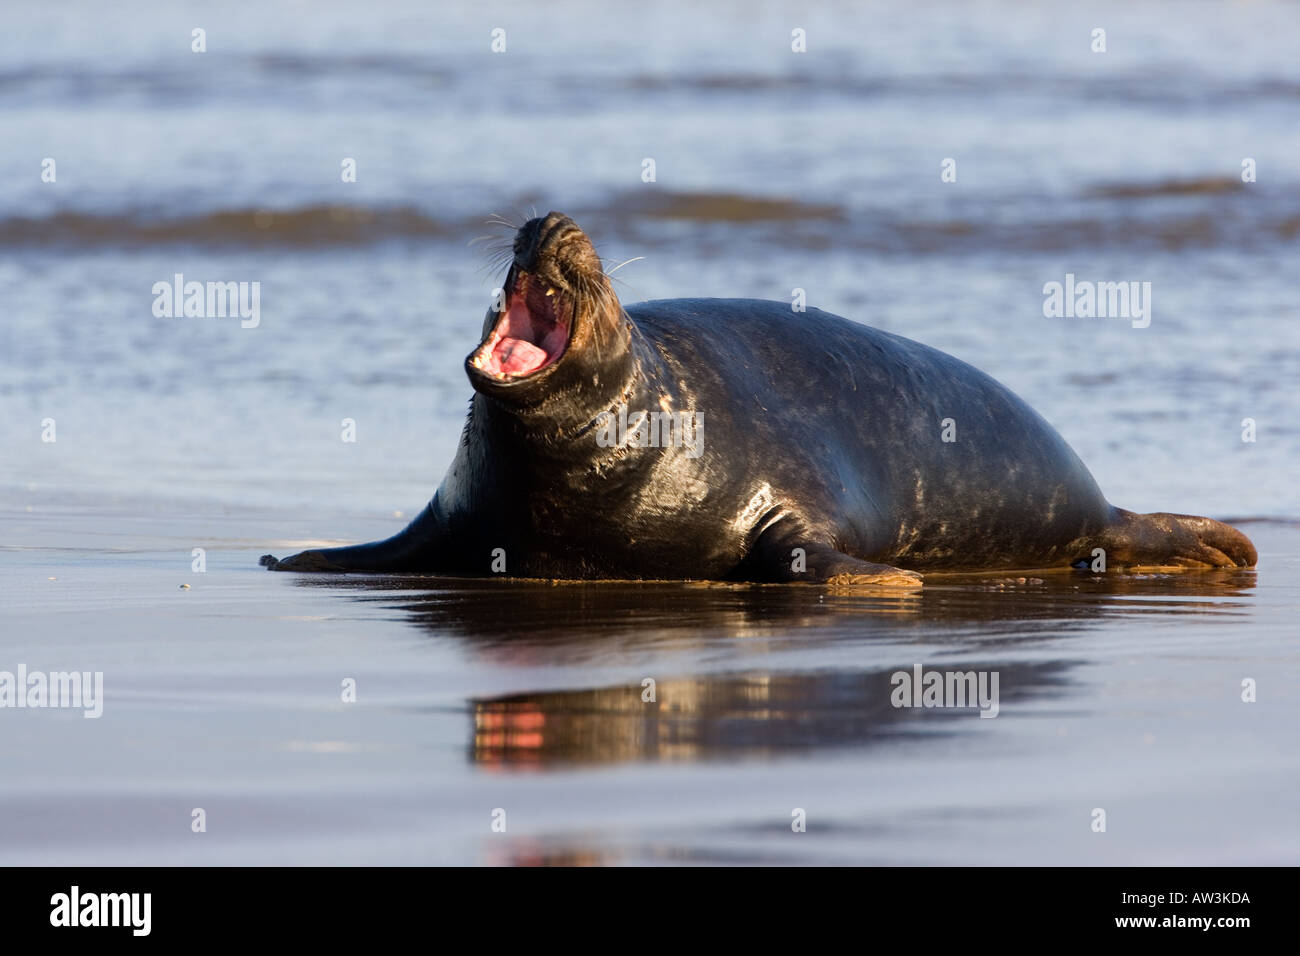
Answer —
710 718
771 670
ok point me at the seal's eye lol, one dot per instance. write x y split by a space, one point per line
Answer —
530 335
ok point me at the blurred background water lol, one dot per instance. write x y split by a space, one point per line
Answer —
774 171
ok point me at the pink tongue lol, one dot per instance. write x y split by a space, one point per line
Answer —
516 356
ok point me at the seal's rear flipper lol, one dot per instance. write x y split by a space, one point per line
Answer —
787 557
1170 540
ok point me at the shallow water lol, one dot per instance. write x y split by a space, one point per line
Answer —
1121 693
775 171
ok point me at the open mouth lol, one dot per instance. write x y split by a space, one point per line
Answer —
530 335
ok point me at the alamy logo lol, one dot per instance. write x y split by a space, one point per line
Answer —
102 909
208 300
58 689
921 688
683 430
1098 300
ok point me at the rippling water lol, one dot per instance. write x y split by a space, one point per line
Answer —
774 171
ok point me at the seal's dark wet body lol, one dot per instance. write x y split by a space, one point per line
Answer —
821 455
846 423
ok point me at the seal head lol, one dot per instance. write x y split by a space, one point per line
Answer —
557 334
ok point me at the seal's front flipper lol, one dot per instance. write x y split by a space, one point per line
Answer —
787 557
305 561
1170 540
866 574
420 546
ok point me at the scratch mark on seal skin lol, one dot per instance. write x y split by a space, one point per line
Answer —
676 492
760 503
1060 497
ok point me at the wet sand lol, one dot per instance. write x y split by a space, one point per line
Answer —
1120 692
